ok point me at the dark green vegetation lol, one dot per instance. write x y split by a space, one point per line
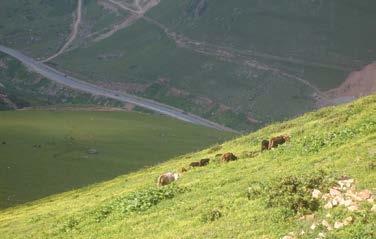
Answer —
38 27
257 196
231 60
20 88
47 152
228 61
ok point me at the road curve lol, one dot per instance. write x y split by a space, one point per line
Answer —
77 84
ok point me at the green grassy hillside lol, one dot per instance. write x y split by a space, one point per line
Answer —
259 196
38 28
20 88
248 51
47 152
223 60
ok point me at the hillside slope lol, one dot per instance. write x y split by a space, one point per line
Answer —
258 196
177 52
44 152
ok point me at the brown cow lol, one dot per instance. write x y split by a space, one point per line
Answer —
275 141
204 162
195 164
264 145
227 157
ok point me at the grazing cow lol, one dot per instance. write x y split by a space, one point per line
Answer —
275 141
195 164
264 145
167 178
204 162
227 157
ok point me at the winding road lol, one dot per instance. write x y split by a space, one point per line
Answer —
83 86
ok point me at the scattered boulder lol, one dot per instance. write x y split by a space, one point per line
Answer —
92 151
348 221
326 224
227 157
338 225
316 194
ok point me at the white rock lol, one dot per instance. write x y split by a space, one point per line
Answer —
326 224
313 226
288 237
328 205
348 221
338 225
346 203
334 202
316 193
373 209
353 208
322 235
364 195
334 192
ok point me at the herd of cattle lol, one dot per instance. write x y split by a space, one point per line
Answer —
170 177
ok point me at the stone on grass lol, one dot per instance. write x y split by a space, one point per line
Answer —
326 224
338 225
316 193
348 221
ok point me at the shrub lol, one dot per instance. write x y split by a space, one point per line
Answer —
214 149
294 192
212 216
69 225
138 201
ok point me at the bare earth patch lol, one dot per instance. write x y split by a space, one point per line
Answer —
358 84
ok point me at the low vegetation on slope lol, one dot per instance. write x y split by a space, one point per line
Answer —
261 195
20 88
47 152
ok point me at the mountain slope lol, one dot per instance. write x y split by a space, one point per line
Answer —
249 198
222 60
44 152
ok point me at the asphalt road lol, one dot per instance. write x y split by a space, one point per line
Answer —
77 84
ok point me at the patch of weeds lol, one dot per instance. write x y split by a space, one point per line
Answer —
248 154
34 219
372 166
315 143
255 190
69 225
292 193
138 201
214 149
211 216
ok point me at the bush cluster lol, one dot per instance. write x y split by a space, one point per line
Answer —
293 193
138 201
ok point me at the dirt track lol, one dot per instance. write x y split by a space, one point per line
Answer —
73 34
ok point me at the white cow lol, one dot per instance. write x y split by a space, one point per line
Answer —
167 178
